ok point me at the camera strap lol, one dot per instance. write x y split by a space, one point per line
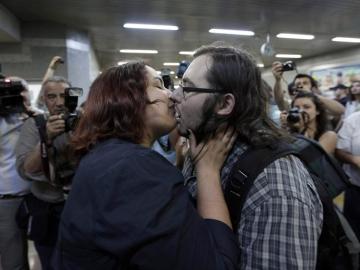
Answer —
41 125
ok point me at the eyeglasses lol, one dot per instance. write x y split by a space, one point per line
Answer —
184 89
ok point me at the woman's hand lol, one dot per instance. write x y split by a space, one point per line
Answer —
209 158
212 154
283 119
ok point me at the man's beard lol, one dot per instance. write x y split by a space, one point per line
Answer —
210 121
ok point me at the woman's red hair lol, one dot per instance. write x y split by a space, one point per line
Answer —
115 107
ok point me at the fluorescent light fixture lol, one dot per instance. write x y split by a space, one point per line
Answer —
171 64
158 72
260 65
139 51
283 55
326 66
176 86
122 63
346 39
231 32
172 72
295 36
151 26
186 52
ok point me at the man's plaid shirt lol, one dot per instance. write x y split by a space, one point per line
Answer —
281 220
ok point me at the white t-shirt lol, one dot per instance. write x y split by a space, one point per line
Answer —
351 107
349 141
10 181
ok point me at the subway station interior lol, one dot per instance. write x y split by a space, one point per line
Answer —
317 38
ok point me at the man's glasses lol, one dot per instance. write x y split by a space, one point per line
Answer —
184 89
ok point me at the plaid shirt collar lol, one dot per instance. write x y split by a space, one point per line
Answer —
190 174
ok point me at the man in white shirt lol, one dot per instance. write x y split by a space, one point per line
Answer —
13 244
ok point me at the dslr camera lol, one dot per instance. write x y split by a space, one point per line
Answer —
294 115
11 100
288 65
71 115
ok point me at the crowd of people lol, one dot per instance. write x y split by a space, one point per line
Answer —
139 181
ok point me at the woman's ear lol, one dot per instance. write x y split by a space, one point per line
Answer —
226 105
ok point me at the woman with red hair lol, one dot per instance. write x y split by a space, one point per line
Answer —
128 208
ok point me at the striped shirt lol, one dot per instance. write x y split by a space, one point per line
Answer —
10 181
281 219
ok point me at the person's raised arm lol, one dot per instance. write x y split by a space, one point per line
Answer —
208 159
334 107
54 63
278 90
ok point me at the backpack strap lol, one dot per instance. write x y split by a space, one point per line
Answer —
41 126
248 166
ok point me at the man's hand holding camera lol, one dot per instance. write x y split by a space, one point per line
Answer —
277 70
55 126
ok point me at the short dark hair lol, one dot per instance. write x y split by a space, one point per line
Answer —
235 71
115 107
312 80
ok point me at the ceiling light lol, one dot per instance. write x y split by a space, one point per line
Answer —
139 51
151 26
122 63
282 55
346 39
231 32
172 72
158 72
171 64
186 52
260 65
295 36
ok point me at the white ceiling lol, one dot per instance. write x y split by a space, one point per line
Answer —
104 20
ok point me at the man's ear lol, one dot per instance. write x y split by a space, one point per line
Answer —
226 105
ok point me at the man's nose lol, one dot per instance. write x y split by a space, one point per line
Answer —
60 101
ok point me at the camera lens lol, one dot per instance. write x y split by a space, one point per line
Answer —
294 115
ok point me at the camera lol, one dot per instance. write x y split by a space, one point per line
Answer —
289 65
72 116
294 115
11 100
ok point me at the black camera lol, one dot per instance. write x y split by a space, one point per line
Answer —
289 65
166 76
72 116
294 115
11 100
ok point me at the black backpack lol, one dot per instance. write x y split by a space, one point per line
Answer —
338 247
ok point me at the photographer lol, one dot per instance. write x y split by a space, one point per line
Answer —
308 117
44 157
14 107
304 83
